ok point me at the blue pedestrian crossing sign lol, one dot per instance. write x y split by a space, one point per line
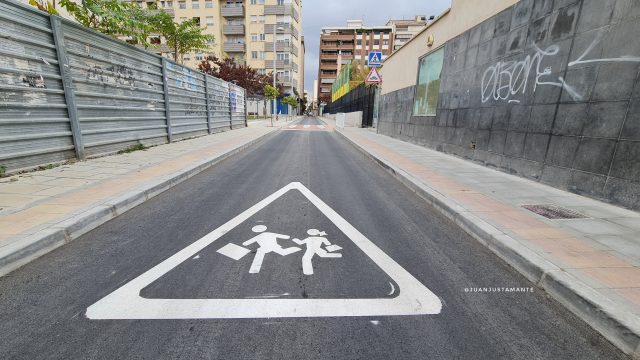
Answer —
375 59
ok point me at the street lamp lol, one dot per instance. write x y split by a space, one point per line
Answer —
275 32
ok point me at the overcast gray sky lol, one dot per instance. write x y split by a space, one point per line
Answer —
326 13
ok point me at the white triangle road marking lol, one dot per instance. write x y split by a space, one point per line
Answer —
126 303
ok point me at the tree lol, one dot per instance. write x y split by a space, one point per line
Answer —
112 17
45 5
181 38
271 93
244 76
291 101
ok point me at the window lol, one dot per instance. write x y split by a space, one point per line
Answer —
208 4
376 42
199 56
210 42
168 4
262 37
195 4
254 37
358 42
182 4
209 20
257 2
385 42
196 20
254 54
254 18
428 86
261 19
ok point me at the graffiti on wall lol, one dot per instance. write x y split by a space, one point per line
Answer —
508 79
111 75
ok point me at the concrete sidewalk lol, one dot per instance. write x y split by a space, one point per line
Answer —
42 210
591 265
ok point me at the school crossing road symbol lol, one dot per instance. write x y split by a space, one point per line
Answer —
318 246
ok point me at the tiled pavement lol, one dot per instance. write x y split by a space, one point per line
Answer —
595 260
44 209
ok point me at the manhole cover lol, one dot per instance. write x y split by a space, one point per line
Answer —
553 212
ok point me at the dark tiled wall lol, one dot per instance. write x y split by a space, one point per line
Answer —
573 122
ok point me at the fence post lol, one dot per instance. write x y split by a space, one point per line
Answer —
167 105
206 94
67 85
376 109
246 109
230 109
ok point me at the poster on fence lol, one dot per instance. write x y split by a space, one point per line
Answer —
233 100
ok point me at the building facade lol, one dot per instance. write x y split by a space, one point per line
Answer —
404 30
340 45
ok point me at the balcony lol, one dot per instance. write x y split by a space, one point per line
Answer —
336 38
337 47
282 10
232 11
324 56
230 47
281 47
286 29
169 11
284 81
280 64
233 30
325 66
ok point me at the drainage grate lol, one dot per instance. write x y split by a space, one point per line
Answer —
554 212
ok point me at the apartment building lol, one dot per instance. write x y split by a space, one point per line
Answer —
404 30
353 42
245 30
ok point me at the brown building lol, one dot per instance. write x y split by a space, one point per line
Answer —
339 45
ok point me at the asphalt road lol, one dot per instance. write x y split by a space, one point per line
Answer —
43 306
